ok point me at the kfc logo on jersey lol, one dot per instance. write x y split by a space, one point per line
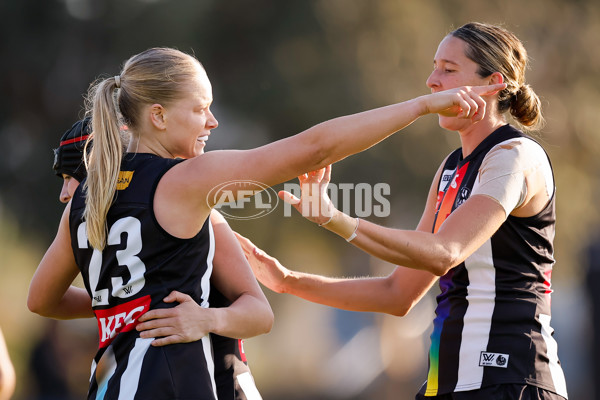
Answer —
122 318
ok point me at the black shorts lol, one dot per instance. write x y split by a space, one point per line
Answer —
510 391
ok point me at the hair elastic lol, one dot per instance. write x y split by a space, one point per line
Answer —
118 81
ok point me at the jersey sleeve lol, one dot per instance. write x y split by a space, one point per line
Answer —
504 171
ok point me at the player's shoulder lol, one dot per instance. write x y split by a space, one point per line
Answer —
522 151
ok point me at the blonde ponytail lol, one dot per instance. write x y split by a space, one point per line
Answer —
103 162
157 75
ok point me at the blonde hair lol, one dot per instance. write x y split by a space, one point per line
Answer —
157 75
495 49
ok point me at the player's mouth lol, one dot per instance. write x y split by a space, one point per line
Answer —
203 138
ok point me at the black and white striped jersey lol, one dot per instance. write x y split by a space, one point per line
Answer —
492 323
141 265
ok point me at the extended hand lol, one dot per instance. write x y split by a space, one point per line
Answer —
462 102
267 269
184 323
314 203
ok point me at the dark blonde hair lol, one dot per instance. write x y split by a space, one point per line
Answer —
157 75
495 49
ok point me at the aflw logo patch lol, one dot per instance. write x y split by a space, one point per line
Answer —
122 318
493 360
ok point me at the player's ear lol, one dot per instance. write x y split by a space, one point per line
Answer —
158 117
495 78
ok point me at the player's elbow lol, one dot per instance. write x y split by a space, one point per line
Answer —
402 307
37 305
34 305
396 302
262 323
262 319
267 320
439 268
444 259
399 310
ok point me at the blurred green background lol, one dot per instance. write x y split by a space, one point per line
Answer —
278 67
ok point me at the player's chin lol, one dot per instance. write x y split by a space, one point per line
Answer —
452 123
197 150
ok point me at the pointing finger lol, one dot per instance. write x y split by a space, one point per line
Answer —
288 197
489 89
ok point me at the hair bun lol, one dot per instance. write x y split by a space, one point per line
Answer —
526 107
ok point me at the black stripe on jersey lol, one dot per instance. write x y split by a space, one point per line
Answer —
453 326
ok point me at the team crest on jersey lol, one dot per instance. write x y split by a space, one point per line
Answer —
124 179
493 360
122 318
462 196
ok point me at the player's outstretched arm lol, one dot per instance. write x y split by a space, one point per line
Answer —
394 294
316 147
463 232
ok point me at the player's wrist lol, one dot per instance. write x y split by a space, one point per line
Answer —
421 106
326 219
217 319
343 225
286 284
